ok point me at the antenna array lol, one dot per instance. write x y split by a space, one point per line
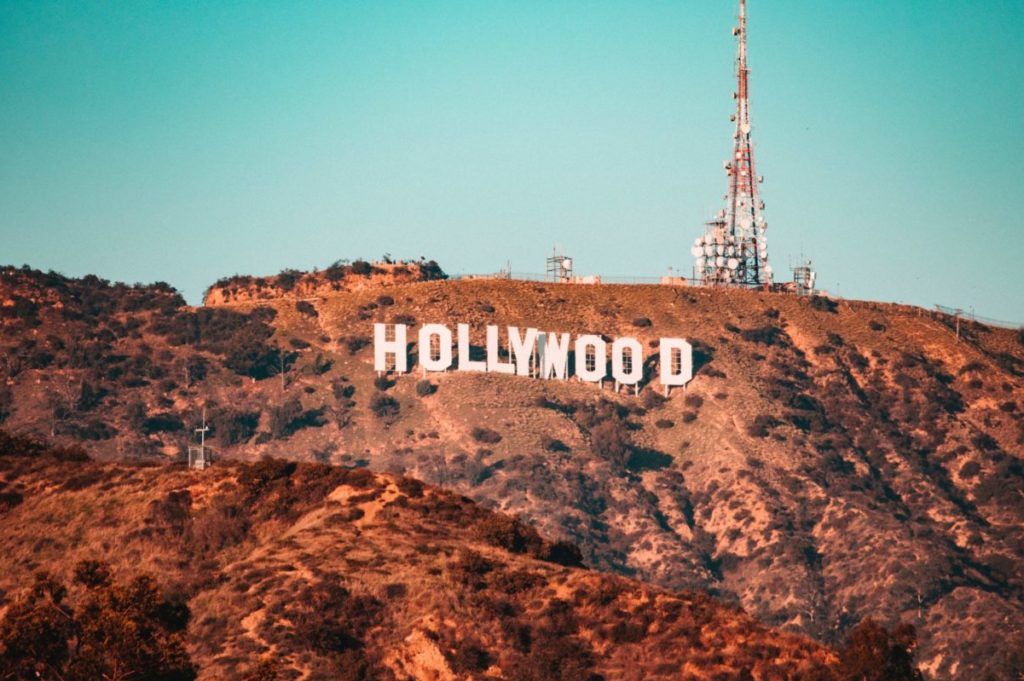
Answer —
733 249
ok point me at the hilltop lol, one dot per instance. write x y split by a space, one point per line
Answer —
340 276
830 461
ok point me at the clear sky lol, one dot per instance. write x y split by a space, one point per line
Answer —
187 140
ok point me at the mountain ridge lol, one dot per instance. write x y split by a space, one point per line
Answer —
831 460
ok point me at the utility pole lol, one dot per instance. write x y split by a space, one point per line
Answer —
199 461
281 360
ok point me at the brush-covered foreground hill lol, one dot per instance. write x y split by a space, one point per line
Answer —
830 461
332 573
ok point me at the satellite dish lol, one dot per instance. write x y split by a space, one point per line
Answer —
567 264
709 249
697 251
745 128
733 263
768 270
745 222
720 261
719 249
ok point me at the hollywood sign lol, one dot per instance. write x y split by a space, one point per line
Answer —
530 352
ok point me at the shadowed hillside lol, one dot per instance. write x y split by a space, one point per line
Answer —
830 461
330 573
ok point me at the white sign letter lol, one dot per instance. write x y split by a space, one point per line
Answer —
494 363
382 347
636 361
444 336
676 361
522 348
554 355
591 358
465 363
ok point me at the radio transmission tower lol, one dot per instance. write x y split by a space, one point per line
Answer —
733 250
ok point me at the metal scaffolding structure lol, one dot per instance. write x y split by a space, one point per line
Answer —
733 250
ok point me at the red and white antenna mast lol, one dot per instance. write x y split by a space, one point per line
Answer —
733 250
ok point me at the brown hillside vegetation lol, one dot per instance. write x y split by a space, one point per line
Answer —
341 276
831 461
331 573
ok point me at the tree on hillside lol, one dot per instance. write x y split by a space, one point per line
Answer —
118 631
873 653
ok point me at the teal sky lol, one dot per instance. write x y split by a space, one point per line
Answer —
185 140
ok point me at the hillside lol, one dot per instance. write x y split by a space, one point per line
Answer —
332 573
831 461
341 276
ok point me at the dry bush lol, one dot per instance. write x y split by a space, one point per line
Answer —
762 426
485 435
652 400
24 446
823 304
356 343
610 440
384 406
874 654
290 417
425 388
553 444
765 335
404 318
221 523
